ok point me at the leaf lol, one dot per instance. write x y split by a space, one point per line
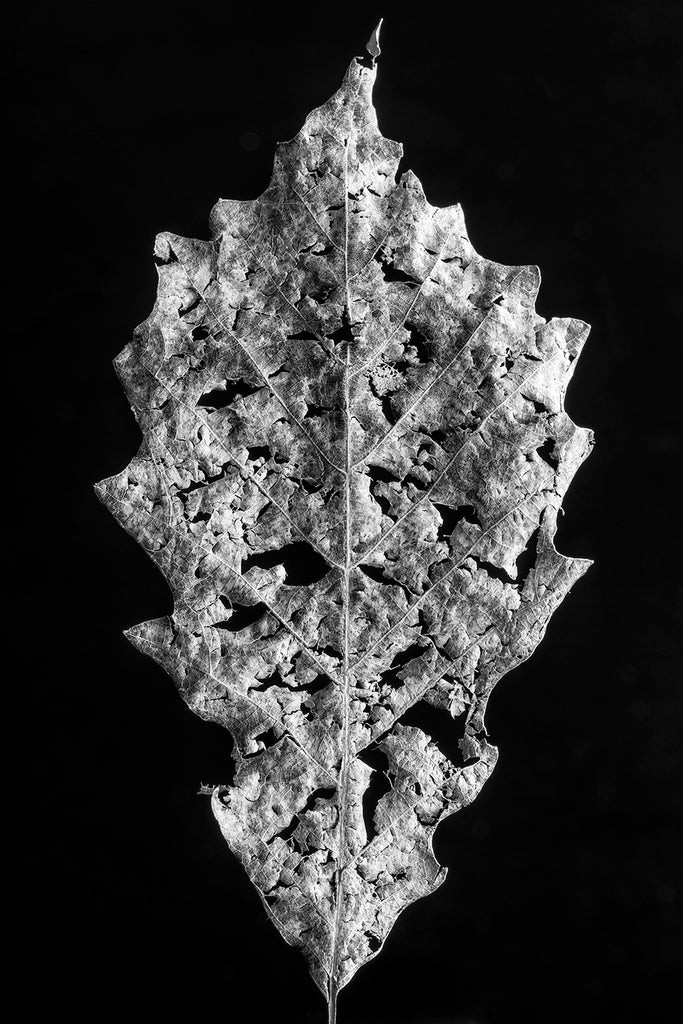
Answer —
354 453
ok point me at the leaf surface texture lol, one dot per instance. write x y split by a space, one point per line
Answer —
354 452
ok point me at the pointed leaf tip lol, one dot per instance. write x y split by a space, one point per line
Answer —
372 45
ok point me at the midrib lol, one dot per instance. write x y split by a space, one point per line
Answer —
344 773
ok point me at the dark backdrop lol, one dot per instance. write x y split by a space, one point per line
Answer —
555 126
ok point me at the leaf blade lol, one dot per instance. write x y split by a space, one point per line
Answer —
338 368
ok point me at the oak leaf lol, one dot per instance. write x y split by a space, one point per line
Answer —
355 450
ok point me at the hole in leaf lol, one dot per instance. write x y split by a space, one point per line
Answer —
302 563
289 830
320 682
450 517
421 485
493 571
378 786
343 334
391 272
160 261
317 410
234 389
440 726
418 342
390 676
259 452
311 486
197 484
526 560
274 679
268 738
538 406
301 336
378 575
436 435
380 473
331 652
546 452
242 615
388 410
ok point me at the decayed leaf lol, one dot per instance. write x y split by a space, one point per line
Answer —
354 453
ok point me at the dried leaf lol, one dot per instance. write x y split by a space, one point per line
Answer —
354 453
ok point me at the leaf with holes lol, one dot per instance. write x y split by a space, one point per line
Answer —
354 453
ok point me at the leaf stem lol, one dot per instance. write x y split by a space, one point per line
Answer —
332 1003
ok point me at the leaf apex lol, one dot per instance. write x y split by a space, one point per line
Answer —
372 45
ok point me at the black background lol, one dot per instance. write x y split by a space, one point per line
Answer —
555 126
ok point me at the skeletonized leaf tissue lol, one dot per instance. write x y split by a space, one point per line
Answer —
354 453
